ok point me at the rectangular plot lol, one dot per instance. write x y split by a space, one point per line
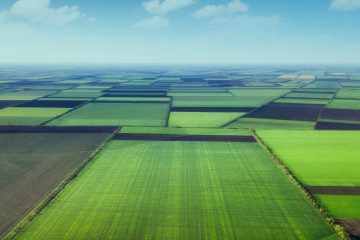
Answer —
349 94
9 103
297 112
182 138
33 164
29 115
52 104
325 125
303 101
233 101
318 158
340 114
202 119
344 104
116 114
310 95
24 95
186 131
262 123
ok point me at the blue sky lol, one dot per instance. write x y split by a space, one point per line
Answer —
180 31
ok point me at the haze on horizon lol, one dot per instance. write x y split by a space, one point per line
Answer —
180 31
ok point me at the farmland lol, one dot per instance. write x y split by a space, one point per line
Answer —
179 190
179 152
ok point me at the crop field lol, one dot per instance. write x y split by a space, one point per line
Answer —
262 123
179 190
33 162
115 114
188 155
29 115
202 119
327 160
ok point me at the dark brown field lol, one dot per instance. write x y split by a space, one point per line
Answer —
191 138
283 111
340 114
352 226
334 190
34 164
336 126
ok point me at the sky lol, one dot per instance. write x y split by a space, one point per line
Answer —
180 31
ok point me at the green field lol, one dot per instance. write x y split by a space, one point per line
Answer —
24 95
28 115
186 131
179 190
318 158
344 104
302 101
310 95
133 99
271 93
341 206
202 119
259 123
324 84
221 101
78 94
349 94
116 114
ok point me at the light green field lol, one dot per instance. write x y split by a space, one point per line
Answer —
302 101
24 95
32 112
197 90
78 94
179 190
74 81
133 99
200 94
259 92
202 119
261 123
324 84
318 158
310 95
350 94
187 131
221 101
341 206
344 104
116 114
29 116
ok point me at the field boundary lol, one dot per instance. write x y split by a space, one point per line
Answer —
340 230
334 190
178 137
53 193
55 129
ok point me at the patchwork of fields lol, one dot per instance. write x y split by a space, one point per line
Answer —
147 153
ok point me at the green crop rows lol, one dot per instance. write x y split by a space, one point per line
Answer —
179 190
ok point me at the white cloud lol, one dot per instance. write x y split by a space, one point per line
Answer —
345 5
233 7
153 23
158 7
41 11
